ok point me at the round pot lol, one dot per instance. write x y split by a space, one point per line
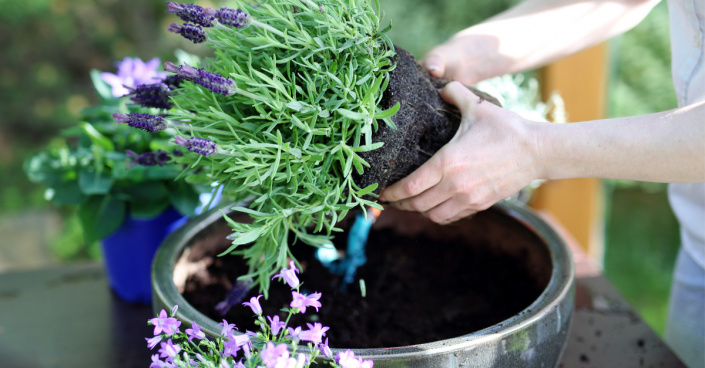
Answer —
534 337
129 251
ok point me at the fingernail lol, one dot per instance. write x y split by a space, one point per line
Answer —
432 67
381 198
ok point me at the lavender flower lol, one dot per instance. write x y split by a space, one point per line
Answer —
234 343
153 158
314 334
234 18
168 325
302 301
132 73
254 304
192 13
151 95
294 333
275 324
189 31
142 121
173 81
202 146
195 332
157 363
289 275
214 82
326 350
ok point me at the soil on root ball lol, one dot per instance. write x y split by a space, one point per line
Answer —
424 122
419 287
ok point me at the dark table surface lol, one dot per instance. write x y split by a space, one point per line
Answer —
67 317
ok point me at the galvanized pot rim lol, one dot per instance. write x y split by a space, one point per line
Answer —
558 289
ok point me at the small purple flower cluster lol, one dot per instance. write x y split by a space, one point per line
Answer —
153 158
151 95
202 146
179 349
197 17
214 82
232 17
146 122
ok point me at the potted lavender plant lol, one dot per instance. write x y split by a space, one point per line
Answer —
121 180
305 110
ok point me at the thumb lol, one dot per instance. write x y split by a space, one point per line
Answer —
457 94
435 64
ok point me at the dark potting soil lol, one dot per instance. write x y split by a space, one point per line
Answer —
418 289
424 122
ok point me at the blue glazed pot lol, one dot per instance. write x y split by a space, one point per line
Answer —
129 251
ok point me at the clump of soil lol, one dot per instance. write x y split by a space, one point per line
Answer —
420 285
425 123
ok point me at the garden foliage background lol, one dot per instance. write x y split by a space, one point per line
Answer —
48 47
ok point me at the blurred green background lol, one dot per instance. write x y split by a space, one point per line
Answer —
48 47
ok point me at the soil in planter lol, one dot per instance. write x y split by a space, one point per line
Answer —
418 289
425 123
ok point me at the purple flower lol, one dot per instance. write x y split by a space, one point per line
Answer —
275 324
146 122
214 82
254 304
235 295
169 325
173 81
151 95
234 343
153 158
202 146
234 18
325 349
154 341
195 332
189 31
270 354
347 359
302 301
289 275
227 327
294 333
192 13
314 334
156 363
132 73
169 350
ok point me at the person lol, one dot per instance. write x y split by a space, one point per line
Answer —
495 152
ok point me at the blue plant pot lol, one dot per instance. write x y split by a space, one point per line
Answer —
129 251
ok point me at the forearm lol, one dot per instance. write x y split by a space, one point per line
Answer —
537 32
661 147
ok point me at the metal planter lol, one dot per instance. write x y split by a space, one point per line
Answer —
534 337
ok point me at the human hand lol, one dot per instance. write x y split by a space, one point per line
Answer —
466 58
493 155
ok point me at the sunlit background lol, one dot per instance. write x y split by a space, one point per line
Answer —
48 47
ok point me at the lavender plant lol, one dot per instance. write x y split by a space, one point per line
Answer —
279 116
275 345
109 171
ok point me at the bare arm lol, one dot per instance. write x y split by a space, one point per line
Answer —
496 153
532 34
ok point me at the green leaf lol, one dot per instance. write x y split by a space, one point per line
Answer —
367 190
148 210
183 197
389 112
100 216
92 181
68 193
351 114
103 89
97 138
